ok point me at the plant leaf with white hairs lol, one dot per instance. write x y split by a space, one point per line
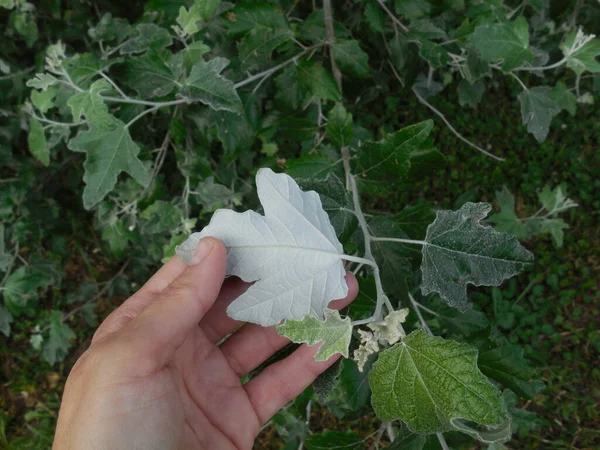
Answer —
333 334
458 251
292 253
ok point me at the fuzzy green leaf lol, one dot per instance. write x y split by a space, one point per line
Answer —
470 94
333 334
318 80
431 383
213 196
381 165
459 251
161 217
44 100
507 220
108 154
57 346
564 98
155 73
537 110
206 84
42 81
5 321
339 126
89 104
351 57
148 35
585 57
37 142
247 16
508 41
256 47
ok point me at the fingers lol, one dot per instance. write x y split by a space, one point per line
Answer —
163 326
216 324
253 344
283 381
141 299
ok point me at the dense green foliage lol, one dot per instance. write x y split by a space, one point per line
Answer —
124 128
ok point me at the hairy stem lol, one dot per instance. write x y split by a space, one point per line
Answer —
392 16
401 241
415 306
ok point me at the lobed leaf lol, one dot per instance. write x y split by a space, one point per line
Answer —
459 251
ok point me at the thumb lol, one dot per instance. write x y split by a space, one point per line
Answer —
164 325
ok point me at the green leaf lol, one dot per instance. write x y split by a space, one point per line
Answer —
350 57
21 287
363 306
290 93
42 81
84 67
116 237
413 9
234 131
109 29
312 165
148 35
555 228
537 110
507 41
206 84
507 220
334 333
354 384
504 362
8 4
374 17
555 201
256 47
459 251
564 98
247 16
460 323
213 196
316 79
335 440
581 55
414 220
381 165
431 383
155 73
108 154
193 52
187 19
391 257
161 217
336 202
326 382
435 54
407 440
339 126
57 346
470 94
425 161
5 321
44 100
89 104
37 142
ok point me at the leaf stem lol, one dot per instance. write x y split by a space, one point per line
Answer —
401 241
449 125
519 81
442 440
359 260
330 39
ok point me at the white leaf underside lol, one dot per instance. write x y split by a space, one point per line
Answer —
292 252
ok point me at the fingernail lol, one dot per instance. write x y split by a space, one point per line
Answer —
202 250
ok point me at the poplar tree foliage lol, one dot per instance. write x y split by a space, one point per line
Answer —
158 121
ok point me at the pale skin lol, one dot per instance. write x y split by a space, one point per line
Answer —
155 376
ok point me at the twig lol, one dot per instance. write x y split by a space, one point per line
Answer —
519 81
449 125
112 83
392 16
419 315
442 440
330 38
10 265
401 241
16 74
381 297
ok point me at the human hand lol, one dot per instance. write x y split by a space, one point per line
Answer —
155 378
